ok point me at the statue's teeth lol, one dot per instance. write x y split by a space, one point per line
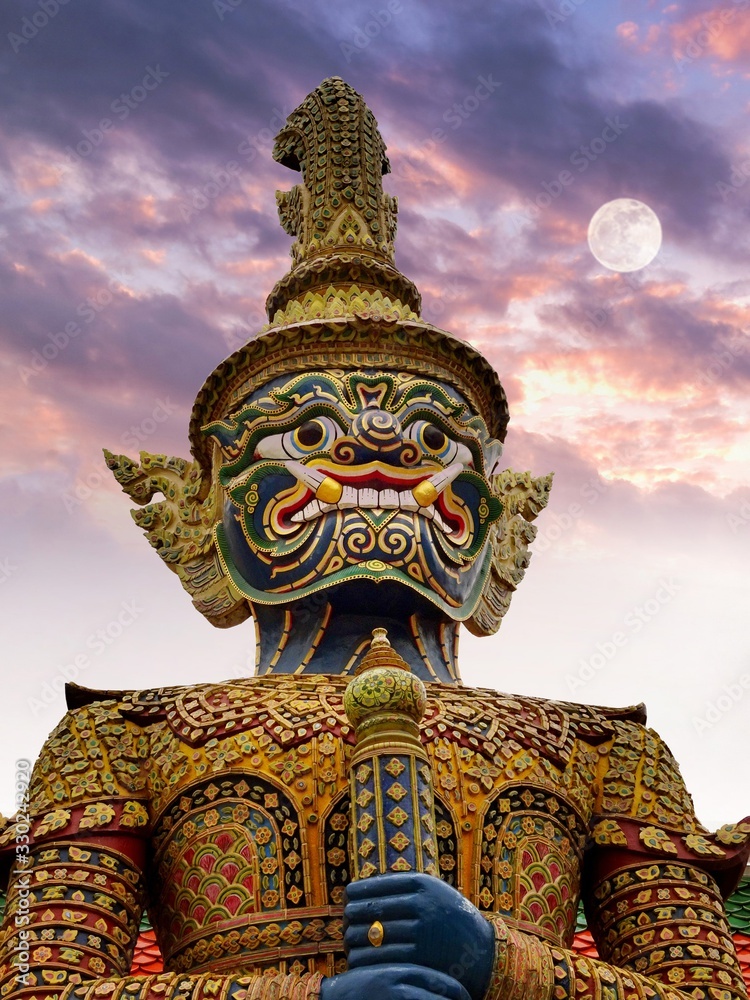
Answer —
407 501
441 523
349 498
369 500
313 509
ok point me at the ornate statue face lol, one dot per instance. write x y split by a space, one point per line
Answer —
318 485
329 477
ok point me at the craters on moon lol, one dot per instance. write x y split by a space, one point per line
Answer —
624 234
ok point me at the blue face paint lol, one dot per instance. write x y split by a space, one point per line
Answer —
370 476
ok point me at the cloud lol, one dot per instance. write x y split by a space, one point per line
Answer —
633 388
716 33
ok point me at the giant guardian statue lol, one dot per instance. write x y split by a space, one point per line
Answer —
353 822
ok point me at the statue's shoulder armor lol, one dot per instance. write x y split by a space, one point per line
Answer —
142 706
641 804
576 712
90 776
644 809
595 713
146 706
488 719
291 708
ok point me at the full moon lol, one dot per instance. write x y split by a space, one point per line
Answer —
624 234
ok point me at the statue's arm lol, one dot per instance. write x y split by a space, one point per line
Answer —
661 931
77 889
72 914
652 895
71 924
653 887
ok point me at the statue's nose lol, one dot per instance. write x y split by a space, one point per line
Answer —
377 430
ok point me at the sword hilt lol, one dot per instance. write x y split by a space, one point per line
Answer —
392 799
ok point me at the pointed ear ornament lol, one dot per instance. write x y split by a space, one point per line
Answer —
180 527
523 497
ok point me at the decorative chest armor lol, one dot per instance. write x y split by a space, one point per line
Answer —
246 787
255 864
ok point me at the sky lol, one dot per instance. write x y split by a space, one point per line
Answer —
139 238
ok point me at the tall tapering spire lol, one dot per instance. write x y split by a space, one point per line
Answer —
343 221
333 140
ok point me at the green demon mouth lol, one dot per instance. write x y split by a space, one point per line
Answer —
375 488
281 504
377 491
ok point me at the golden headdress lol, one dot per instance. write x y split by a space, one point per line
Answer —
344 303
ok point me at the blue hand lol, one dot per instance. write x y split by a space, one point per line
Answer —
425 922
392 982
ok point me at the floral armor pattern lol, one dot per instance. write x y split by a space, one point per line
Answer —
233 799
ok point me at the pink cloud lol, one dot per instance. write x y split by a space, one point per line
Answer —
722 32
630 34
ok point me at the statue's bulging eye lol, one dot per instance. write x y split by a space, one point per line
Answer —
433 441
434 438
317 434
310 434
